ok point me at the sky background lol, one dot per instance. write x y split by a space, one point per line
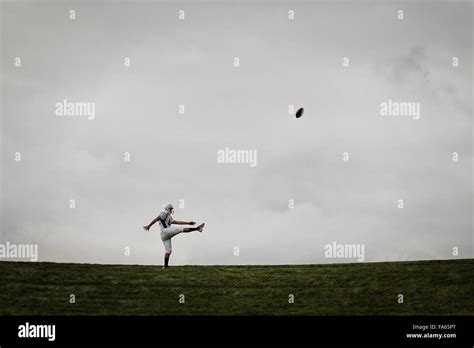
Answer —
174 156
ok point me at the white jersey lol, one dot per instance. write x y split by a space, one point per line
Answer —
165 220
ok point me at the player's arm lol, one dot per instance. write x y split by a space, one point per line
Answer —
147 227
176 222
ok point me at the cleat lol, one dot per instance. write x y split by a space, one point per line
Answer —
200 227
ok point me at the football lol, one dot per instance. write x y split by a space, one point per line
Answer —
299 112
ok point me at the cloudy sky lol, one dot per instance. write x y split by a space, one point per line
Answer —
173 156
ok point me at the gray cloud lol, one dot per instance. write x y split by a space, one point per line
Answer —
173 156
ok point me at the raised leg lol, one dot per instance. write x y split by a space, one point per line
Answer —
191 229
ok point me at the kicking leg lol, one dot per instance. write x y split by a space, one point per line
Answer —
191 229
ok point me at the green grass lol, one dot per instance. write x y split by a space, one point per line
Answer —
444 287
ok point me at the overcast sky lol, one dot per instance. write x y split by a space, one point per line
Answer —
174 156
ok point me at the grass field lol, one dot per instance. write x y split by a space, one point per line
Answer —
428 287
